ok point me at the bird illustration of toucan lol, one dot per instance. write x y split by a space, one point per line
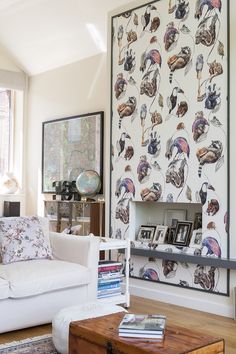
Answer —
172 100
121 143
203 192
146 17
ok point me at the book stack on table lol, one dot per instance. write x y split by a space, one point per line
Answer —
109 279
143 326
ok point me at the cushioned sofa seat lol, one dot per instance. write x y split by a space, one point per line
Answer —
41 276
4 289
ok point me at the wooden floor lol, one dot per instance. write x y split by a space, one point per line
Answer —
218 326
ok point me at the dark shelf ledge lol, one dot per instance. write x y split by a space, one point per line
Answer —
183 257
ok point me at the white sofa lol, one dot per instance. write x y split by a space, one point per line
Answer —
33 291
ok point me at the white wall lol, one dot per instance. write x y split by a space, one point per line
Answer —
72 89
6 63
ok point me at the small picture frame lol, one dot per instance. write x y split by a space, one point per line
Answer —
182 233
170 235
197 224
146 233
174 223
196 239
160 234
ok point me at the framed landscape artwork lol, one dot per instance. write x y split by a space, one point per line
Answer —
70 146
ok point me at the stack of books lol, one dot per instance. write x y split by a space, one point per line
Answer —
143 326
109 279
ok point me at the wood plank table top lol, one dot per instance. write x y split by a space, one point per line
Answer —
99 335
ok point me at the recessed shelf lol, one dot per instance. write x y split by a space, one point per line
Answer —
180 257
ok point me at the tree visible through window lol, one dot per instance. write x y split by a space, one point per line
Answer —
5 129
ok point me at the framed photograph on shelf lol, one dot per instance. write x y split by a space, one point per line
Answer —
182 233
170 235
146 233
197 224
174 223
196 238
160 234
169 214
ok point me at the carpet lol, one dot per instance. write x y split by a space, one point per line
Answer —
39 345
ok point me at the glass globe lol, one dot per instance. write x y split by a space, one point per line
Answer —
88 183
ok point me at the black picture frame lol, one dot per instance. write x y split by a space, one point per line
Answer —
146 233
197 224
182 233
71 145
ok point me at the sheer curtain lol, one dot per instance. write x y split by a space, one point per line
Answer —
6 123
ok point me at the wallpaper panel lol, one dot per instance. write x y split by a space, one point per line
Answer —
169 123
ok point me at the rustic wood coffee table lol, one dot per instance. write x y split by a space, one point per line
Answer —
100 336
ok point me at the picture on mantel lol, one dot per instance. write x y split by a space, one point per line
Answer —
169 124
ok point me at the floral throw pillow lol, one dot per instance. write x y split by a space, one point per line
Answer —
22 239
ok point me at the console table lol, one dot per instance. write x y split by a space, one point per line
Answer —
89 214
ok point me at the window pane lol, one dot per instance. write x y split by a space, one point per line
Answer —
5 129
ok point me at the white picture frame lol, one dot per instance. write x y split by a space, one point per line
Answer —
160 234
196 238
169 214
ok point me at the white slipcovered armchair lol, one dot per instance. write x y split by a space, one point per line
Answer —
33 291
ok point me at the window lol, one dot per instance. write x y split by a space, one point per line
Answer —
6 123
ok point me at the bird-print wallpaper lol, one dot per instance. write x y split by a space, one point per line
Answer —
169 127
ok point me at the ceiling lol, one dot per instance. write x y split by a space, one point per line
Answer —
41 35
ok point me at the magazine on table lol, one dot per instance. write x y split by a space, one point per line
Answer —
137 322
157 337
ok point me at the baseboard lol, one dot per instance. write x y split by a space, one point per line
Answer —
185 301
235 304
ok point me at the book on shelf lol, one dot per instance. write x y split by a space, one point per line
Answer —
109 286
142 326
110 279
109 272
110 268
109 291
108 263
103 296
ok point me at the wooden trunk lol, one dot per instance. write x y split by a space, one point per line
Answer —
100 336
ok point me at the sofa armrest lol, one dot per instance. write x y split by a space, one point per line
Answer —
76 249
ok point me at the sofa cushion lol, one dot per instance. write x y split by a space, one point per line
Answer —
4 289
35 277
22 238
